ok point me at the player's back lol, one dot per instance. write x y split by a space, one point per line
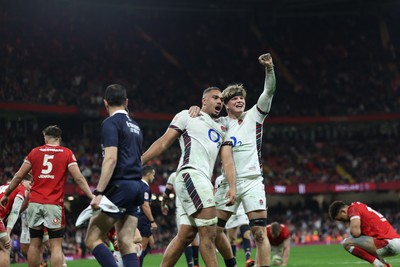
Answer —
372 222
122 132
50 164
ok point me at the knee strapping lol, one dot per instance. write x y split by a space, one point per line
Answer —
258 222
221 223
205 222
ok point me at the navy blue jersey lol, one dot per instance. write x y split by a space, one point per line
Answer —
122 132
146 197
144 224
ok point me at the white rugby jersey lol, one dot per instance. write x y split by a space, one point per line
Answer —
246 136
200 141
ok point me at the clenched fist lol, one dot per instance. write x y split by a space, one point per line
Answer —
266 60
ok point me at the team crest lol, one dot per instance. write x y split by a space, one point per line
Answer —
261 202
223 128
55 220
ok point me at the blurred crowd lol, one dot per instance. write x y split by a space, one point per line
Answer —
325 66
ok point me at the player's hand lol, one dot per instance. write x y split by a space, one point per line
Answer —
194 111
7 244
95 203
3 201
231 196
154 226
266 61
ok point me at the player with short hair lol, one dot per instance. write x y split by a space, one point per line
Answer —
11 212
246 128
120 181
279 238
146 223
201 140
49 164
372 237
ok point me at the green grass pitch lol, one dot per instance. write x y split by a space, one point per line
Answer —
300 256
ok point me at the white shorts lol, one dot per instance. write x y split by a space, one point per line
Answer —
194 190
250 192
50 216
237 220
391 249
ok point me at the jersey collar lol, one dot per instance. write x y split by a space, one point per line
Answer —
120 111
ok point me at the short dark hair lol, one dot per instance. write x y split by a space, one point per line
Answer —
147 169
335 207
207 90
115 95
53 131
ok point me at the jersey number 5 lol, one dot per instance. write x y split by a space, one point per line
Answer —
47 165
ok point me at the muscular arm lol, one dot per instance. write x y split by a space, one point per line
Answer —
13 216
230 174
108 166
160 145
265 100
80 180
355 227
286 251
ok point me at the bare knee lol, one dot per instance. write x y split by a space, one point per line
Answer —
347 243
258 233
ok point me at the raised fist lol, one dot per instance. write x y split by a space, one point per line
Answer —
266 60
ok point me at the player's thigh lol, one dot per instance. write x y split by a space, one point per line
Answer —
194 190
98 227
252 194
126 227
365 242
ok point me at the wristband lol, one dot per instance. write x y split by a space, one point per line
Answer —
152 221
97 192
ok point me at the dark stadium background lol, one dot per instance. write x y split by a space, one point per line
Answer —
333 130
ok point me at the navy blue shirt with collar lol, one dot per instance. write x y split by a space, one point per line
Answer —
120 131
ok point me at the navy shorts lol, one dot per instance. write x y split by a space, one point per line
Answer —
127 195
144 226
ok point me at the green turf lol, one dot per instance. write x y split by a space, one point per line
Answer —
300 256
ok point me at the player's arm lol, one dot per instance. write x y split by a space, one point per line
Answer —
285 251
165 198
108 166
265 100
147 211
355 227
160 145
229 168
80 180
19 175
14 214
